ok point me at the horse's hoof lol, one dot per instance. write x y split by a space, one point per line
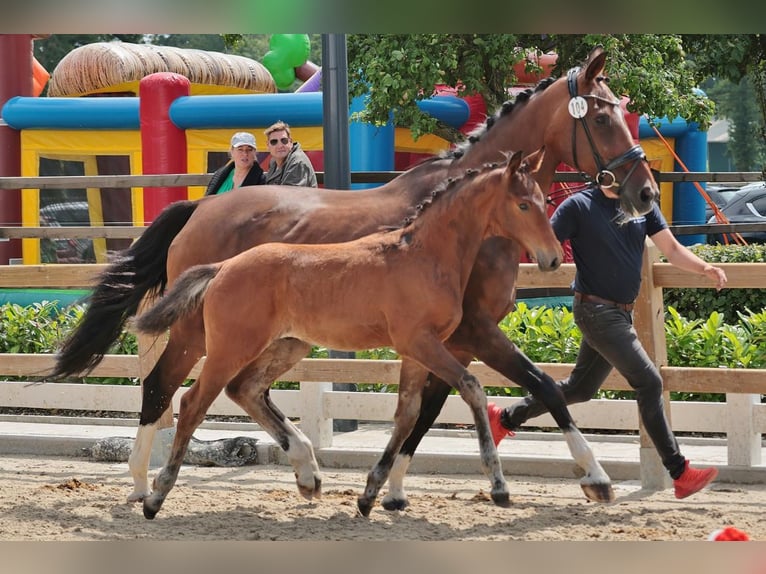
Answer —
598 492
137 496
365 506
313 491
394 503
152 507
501 499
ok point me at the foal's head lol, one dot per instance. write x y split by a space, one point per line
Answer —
521 213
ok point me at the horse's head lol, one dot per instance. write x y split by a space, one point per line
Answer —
522 215
601 144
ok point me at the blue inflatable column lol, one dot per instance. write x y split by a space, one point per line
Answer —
688 203
371 147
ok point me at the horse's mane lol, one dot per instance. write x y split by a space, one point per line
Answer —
507 108
447 185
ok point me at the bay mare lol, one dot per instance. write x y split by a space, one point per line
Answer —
401 289
214 228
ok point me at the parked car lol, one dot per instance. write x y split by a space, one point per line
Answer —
69 213
747 205
719 195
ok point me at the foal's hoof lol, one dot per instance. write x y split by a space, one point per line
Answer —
137 496
391 503
313 491
598 492
502 499
365 506
152 505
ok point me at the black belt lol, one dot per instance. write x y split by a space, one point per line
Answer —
596 299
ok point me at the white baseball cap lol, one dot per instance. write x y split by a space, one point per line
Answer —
243 138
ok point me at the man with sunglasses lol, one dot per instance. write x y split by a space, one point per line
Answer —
289 165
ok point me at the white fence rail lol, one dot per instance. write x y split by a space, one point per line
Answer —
742 418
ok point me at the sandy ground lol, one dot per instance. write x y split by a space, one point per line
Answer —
77 499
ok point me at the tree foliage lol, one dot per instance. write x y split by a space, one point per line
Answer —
397 70
740 58
649 68
737 102
658 72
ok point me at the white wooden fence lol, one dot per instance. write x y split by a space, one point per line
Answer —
742 418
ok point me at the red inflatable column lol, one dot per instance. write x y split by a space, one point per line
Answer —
631 118
163 145
15 80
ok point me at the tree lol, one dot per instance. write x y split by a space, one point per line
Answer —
738 103
740 58
208 42
396 70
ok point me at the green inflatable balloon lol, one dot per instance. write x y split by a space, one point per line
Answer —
286 52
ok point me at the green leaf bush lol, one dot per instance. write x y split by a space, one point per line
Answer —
701 303
40 327
703 328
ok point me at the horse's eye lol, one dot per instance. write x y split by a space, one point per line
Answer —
602 120
524 206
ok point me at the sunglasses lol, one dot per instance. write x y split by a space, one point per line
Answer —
282 140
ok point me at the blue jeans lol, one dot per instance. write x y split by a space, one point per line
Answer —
609 340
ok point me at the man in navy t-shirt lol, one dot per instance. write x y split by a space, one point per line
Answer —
608 254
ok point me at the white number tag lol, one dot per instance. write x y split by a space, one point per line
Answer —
578 107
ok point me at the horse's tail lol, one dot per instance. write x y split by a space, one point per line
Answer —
184 297
140 271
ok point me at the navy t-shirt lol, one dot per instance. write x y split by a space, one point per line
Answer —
607 248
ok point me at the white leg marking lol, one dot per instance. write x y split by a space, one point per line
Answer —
396 479
138 462
583 456
301 456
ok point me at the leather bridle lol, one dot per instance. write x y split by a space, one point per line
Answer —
605 176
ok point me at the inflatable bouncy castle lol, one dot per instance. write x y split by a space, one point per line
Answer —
120 109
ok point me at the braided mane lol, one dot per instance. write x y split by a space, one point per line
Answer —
449 184
507 108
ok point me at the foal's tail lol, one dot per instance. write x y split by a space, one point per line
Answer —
140 271
184 297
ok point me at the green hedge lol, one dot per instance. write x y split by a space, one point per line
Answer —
703 327
39 327
701 303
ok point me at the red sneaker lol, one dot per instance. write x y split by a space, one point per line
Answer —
693 480
499 432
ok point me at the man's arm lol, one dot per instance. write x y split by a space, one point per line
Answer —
683 258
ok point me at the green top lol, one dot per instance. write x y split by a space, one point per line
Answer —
227 184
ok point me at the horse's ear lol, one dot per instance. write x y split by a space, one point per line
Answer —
594 67
514 163
534 160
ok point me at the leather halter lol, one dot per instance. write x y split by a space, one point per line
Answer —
605 176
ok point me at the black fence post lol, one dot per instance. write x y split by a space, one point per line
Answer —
335 108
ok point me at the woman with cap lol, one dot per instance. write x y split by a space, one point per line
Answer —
242 169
